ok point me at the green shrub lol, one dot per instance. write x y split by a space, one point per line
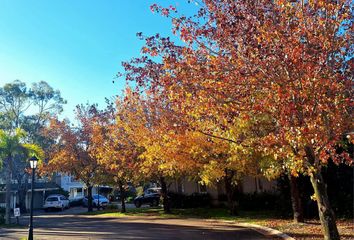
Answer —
194 200
339 180
112 206
75 202
130 194
259 201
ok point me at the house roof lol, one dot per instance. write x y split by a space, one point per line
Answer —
37 186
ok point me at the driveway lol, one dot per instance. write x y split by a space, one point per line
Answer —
68 226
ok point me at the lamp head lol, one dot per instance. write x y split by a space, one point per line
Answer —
33 162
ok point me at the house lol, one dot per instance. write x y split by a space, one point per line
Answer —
76 188
248 185
43 187
41 190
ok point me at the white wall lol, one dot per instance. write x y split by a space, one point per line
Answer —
68 183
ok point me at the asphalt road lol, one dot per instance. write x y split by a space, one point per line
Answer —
68 226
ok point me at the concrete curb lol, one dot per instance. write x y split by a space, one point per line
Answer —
269 232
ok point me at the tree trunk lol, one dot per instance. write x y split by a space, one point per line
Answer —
230 191
89 198
122 196
296 200
326 214
8 192
325 211
164 194
98 199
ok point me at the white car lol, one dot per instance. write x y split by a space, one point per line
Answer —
56 201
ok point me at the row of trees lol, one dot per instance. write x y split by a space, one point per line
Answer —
140 138
270 80
257 87
254 88
143 138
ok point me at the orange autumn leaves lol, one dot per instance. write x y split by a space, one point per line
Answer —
168 148
135 139
254 85
287 61
72 147
272 79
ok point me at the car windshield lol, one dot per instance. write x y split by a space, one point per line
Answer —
52 199
149 191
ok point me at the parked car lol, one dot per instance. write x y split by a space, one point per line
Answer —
151 196
96 199
56 201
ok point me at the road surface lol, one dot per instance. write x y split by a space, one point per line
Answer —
68 225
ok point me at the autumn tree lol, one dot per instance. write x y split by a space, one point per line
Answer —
73 151
288 60
150 124
115 151
217 155
172 148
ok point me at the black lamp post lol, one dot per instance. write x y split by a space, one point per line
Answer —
33 164
98 197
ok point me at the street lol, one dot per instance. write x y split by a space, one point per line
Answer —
69 225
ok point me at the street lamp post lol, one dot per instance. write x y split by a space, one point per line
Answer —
98 197
33 164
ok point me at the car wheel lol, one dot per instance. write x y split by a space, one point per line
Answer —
137 204
46 209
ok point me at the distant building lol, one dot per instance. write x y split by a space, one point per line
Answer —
76 188
247 185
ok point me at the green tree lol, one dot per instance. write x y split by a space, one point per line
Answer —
45 103
14 102
28 109
13 145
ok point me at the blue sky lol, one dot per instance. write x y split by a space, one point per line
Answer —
76 46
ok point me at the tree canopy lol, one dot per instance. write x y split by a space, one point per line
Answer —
285 64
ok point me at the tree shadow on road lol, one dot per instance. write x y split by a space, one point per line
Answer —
111 228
